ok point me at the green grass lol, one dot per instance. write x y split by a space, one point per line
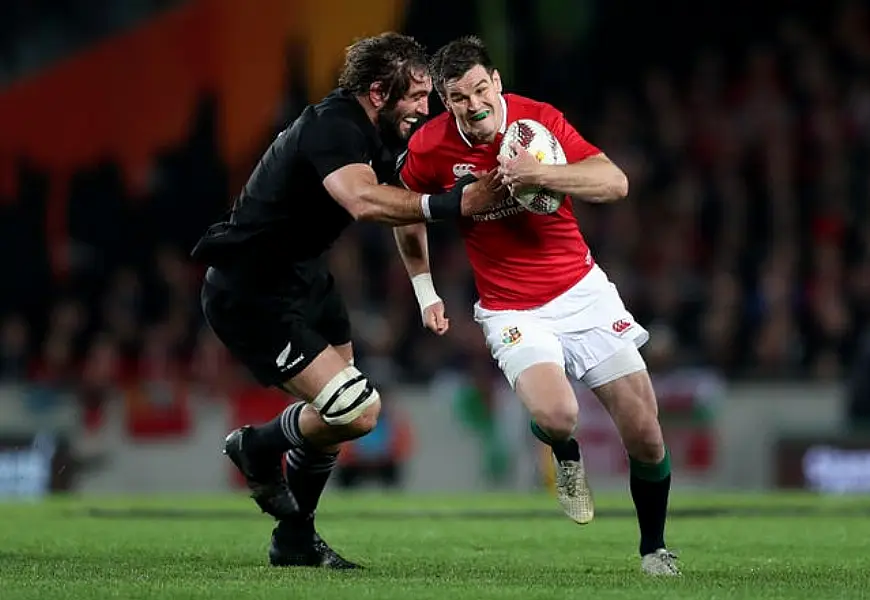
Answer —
54 549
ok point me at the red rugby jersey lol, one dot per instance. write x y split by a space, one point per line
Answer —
520 260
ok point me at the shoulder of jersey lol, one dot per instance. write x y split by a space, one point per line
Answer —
520 107
339 108
431 135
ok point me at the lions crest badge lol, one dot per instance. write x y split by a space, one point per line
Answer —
511 335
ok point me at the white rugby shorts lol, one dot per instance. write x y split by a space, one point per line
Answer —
579 330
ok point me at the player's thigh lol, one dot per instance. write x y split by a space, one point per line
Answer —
518 341
622 384
599 328
267 334
548 395
331 319
346 352
273 337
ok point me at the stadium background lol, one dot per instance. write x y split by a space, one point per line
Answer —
125 128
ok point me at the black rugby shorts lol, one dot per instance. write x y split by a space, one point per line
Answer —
276 335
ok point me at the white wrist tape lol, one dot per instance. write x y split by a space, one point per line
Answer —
424 290
424 206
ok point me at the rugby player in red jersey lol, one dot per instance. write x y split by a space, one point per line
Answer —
547 310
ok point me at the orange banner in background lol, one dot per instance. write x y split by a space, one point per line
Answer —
132 95
329 26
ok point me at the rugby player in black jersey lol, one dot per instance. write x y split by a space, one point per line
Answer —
270 298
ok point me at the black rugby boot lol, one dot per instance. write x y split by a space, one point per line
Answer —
264 476
297 544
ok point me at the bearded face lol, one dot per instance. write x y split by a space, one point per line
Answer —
402 116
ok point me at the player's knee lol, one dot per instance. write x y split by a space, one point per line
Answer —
350 401
557 419
643 439
366 421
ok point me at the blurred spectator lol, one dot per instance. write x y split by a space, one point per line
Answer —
102 374
14 349
212 368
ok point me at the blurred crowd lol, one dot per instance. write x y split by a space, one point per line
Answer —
744 245
746 235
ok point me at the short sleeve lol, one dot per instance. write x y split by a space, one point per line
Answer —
332 143
576 148
416 173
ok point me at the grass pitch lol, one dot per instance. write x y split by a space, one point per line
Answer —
442 548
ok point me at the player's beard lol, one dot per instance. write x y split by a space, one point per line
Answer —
392 122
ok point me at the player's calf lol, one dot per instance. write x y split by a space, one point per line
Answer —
632 404
550 399
344 408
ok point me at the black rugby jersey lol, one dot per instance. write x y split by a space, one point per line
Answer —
284 214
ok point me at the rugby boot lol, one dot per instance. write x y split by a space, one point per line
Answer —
303 547
264 476
660 562
573 491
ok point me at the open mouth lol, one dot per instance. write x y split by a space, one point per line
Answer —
477 117
411 120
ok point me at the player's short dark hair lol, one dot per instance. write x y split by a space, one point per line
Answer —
389 59
456 58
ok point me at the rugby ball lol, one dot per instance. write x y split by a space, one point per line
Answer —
543 145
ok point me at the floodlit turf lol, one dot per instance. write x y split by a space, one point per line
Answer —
508 547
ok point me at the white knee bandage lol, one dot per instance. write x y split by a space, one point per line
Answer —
345 397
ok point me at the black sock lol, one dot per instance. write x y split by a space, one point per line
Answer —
650 485
280 434
308 470
563 449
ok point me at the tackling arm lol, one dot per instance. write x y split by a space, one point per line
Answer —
338 150
356 188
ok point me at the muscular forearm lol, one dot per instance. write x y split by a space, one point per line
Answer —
356 188
595 179
396 206
390 205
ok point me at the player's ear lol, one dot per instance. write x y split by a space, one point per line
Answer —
496 80
377 96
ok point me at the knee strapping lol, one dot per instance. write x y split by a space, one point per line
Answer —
345 397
